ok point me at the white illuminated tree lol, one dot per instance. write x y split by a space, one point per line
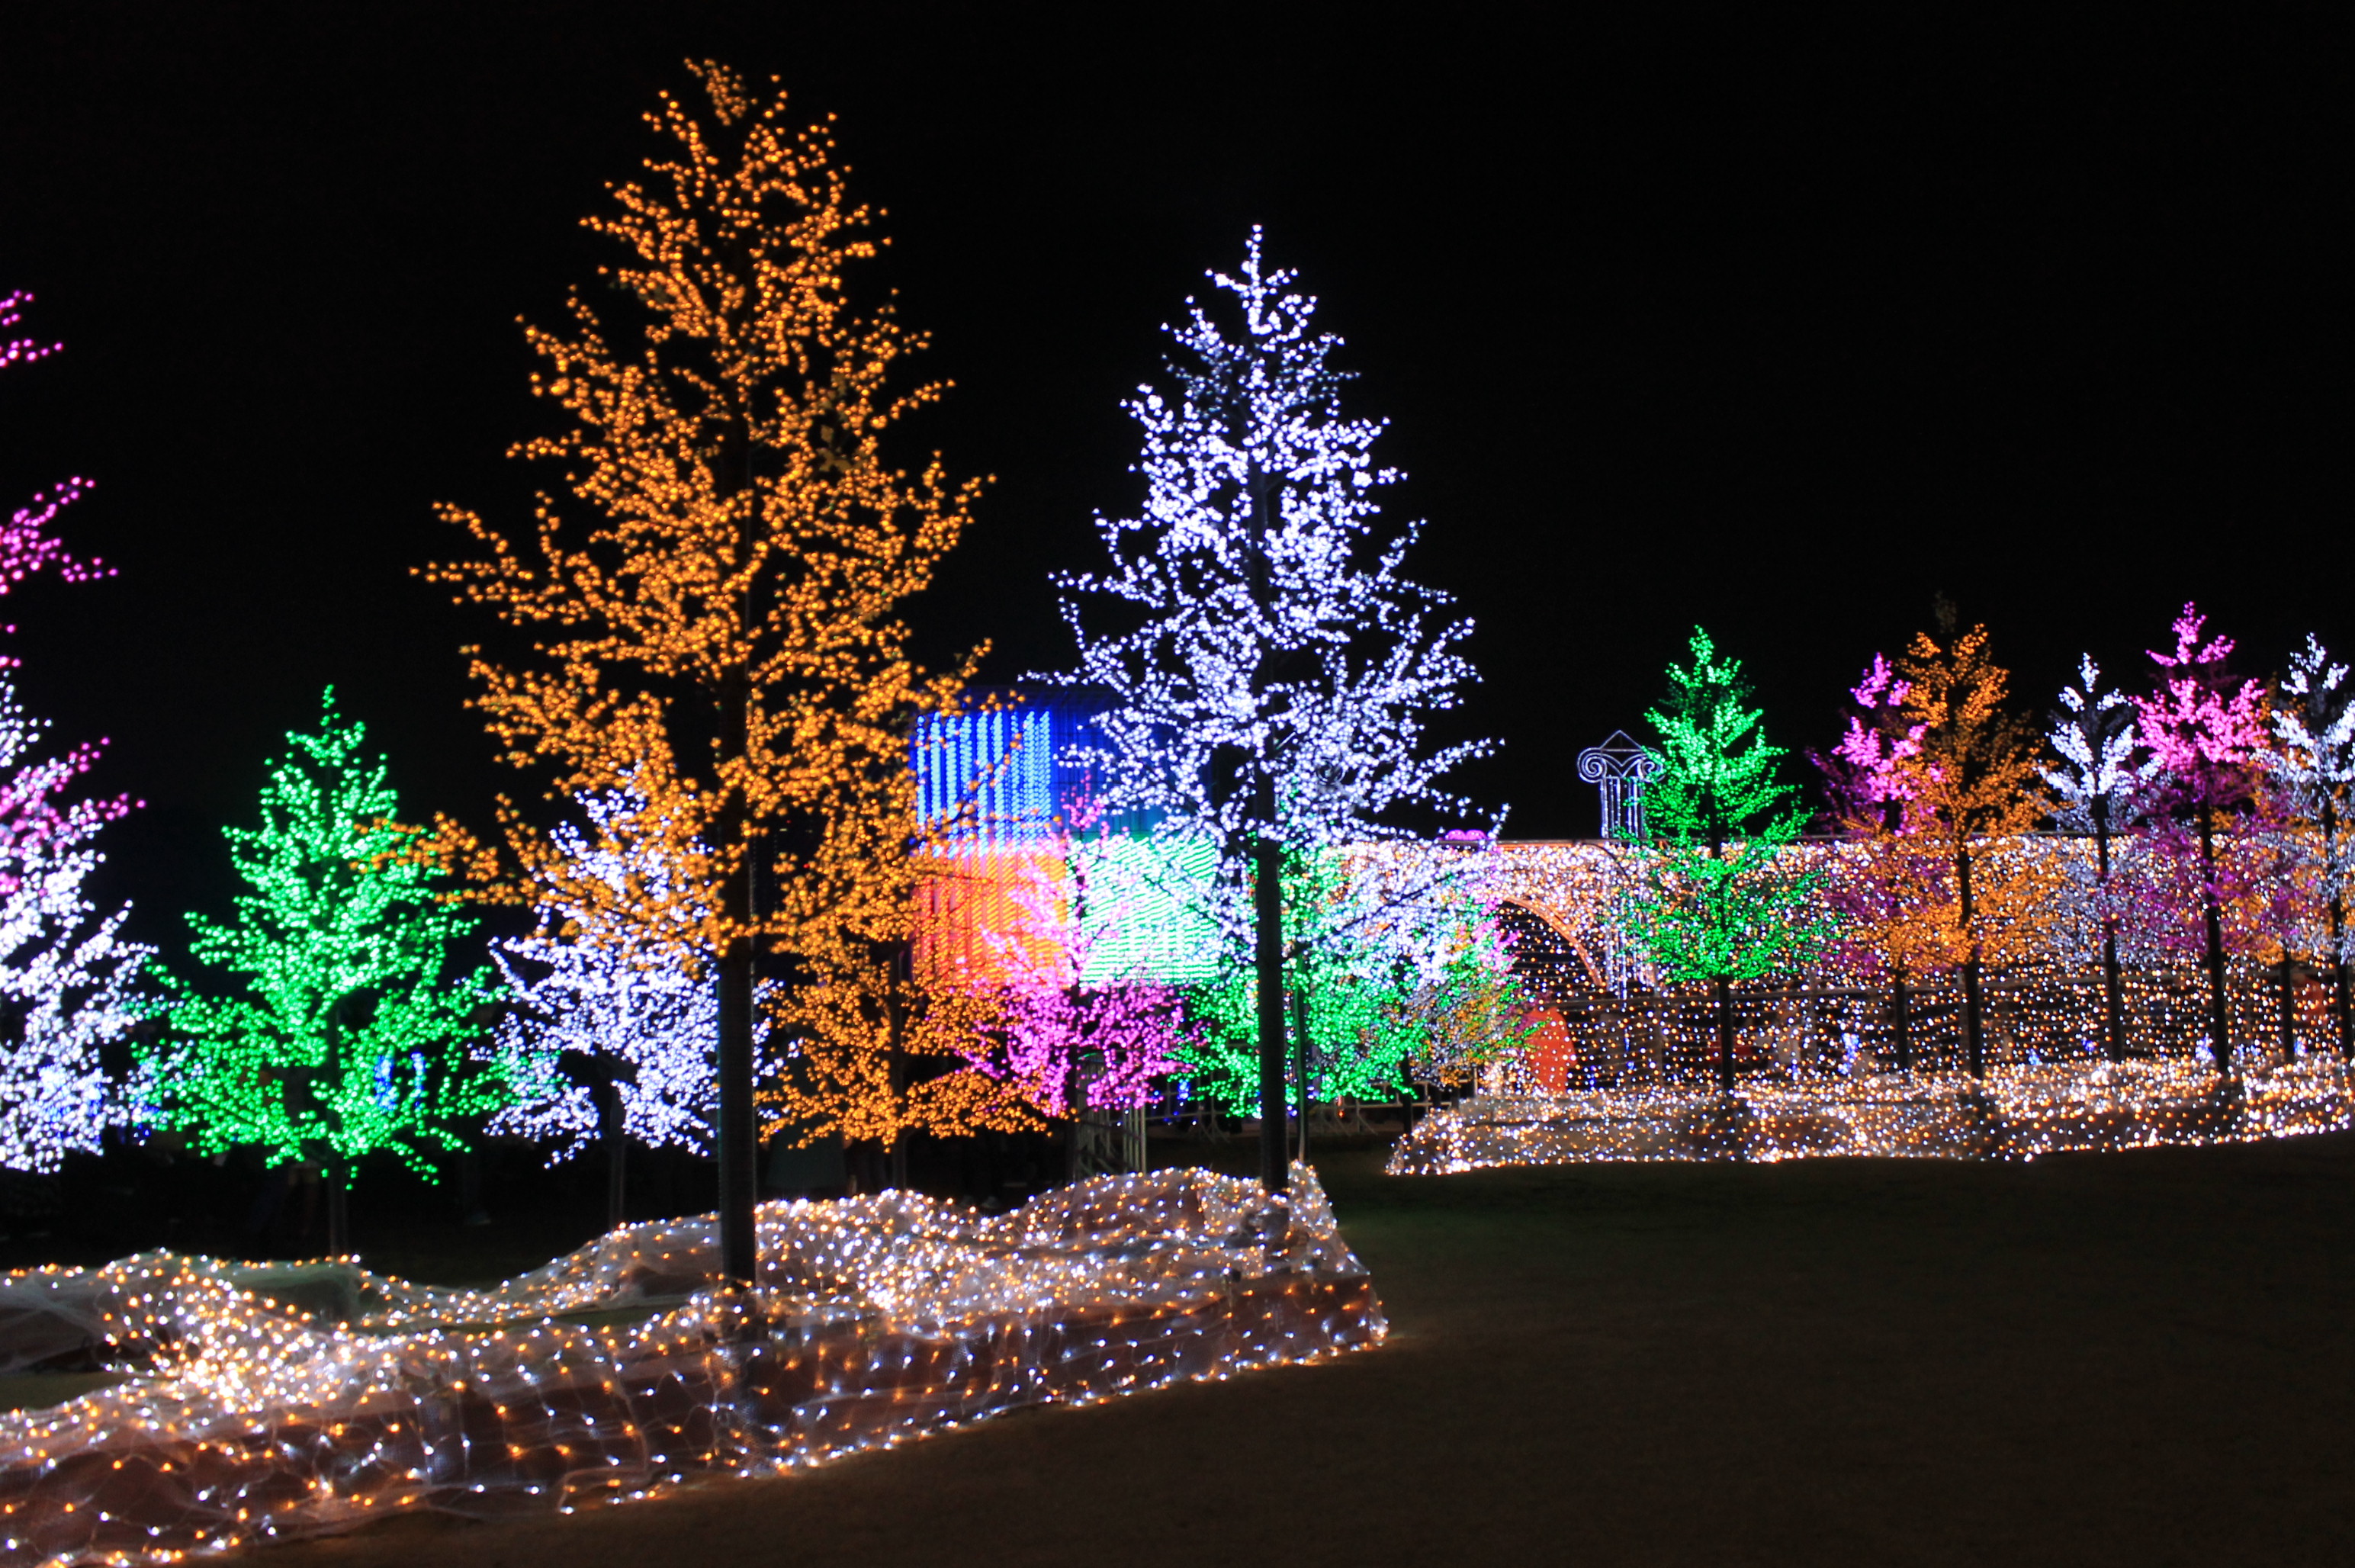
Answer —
2315 723
611 987
1271 669
67 981
2103 767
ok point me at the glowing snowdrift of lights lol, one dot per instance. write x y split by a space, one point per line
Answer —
877 1319
2017 1114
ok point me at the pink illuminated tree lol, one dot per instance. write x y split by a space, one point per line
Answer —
2206 738
26 545
1886 882
68 979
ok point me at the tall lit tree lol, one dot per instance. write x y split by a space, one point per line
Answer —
612 1023
1272 670
724 634
1974 780
67 983
2096 787
2314 761
338 1023
1887 889
1714 900
2206 738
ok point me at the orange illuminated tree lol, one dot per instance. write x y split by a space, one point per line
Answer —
1974 784
723 634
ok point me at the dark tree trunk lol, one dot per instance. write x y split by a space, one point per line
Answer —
2220 1017
2342 1003
1267 895
617 1150
2339 987
902 968
1974 1046
471 1210
1300 1057
336 1177
738 1140
1724 1035
1901 1024
2287 999
2114 1003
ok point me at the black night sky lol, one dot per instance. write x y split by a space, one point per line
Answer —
1780 325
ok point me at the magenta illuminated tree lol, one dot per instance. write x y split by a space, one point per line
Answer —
26 545
67 981
2206 735
1884 888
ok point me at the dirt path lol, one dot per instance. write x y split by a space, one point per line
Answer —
2138 1359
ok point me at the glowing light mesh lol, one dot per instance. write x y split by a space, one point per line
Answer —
2016 1112
252 1418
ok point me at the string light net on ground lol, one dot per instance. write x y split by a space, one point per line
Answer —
268 1404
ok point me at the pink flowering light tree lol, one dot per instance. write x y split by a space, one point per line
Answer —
1888 886
26 545
1069 1047
2207 739
67 978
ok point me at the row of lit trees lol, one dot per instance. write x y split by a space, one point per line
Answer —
2215 808
707 666
710 672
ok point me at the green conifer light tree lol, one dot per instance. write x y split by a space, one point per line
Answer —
339 1027
1713 899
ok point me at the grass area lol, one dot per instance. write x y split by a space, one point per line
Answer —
2139 1357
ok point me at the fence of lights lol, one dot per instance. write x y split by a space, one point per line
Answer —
1621 1071
2016 1112
273 1402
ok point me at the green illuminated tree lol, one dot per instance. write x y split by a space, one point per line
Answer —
340 1027
1377 986
1713 898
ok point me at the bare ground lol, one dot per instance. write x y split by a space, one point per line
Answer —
2142 1358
